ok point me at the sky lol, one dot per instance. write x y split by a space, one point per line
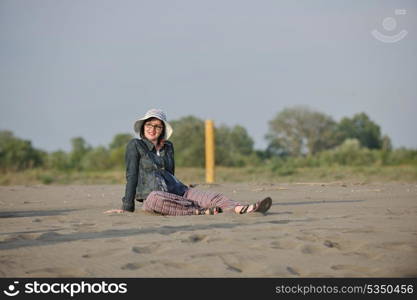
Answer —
90 68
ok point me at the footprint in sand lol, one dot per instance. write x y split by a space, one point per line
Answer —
310 249
58 272
284 245
330 244
137 265
232 268
104 253
194 238
146 249
232 264
293 271
132 266
358 269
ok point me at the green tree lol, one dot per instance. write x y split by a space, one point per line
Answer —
117 157
79 149
59 160
386 143
300 130
233 145
362 128
118 149
188 139
120 140
97 159
17 154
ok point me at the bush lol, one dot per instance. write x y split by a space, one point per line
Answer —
401 156
350 153
97 159
282 166
17 154
117 157
45 178
58 160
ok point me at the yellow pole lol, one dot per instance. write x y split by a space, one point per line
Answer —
209 151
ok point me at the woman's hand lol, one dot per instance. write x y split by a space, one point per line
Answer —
118 211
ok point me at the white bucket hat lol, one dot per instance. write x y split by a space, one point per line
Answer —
154 113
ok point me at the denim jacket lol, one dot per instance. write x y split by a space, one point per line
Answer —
140 179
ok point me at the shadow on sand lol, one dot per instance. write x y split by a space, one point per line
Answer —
51 237
34 213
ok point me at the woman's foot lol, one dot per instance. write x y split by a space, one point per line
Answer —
209 211
261 206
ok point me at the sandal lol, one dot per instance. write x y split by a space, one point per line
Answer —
261 206
210 211
245 208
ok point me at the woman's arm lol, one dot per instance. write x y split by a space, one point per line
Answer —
132 157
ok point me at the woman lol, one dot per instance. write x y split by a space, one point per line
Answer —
153 152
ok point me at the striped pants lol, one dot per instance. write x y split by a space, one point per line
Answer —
173 205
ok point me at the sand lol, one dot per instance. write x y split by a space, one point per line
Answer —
312 230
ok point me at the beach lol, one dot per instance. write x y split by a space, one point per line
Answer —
313 229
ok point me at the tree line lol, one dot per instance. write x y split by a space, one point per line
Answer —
296 137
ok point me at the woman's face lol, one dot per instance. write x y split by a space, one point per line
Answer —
153 129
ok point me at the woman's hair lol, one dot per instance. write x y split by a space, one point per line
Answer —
142 129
